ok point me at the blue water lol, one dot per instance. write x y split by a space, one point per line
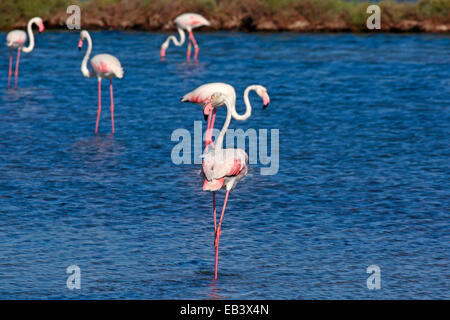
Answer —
363 177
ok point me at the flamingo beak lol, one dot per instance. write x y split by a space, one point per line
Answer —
80 44
41 27
266 100
207 109
162 53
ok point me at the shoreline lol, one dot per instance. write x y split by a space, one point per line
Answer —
302 16
404 26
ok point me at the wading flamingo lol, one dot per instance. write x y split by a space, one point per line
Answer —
104 66
15 40
186 21
224 168
202 95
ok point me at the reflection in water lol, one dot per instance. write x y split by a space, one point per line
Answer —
189 69
98 146
13 94
95 156
214 293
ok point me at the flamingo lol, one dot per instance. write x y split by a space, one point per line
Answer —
104 66
202 96
186 21
16 40
223 168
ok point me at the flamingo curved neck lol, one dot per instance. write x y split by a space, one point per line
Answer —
225 125
30 46
84 68
175 41
248 106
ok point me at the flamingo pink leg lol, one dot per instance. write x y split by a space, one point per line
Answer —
99 103
191 36
112 105
216 243
214 210
215 220
16 73
10 66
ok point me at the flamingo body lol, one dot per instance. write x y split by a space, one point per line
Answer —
189 21
16 39
224 168
203 94
107 66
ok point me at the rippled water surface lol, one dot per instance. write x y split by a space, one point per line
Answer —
363 176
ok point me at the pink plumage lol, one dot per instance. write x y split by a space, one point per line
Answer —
191 20
107 65
202 94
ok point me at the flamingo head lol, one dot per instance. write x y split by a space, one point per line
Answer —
262 92
41 25
207 109
83 35
215 100
164 47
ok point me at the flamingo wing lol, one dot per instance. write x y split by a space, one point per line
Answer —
203 93
217 167
197 96
107 64
16 38
191 21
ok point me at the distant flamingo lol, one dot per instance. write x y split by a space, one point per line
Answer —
186 21
104 66
15 40
203 94
223 168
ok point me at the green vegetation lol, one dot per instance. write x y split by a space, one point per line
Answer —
327 15
12 11
434 9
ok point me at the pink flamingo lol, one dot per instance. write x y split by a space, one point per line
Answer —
202 95
16 40
223 168
104 66
186 21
